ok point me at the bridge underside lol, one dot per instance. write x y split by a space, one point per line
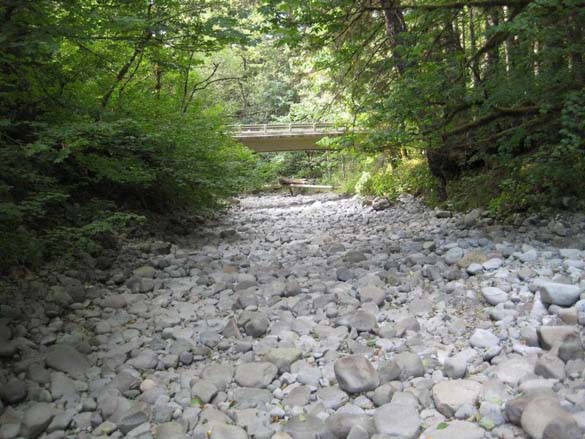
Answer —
272 143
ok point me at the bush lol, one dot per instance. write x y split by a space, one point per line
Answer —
547 178
79 182
407 176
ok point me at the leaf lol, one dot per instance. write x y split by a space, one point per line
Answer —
442 426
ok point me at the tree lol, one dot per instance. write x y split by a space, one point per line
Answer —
478 84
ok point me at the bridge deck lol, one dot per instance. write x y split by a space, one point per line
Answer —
285 137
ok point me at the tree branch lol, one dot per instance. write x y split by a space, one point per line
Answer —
458 5
500 112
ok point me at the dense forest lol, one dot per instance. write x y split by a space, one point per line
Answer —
115 111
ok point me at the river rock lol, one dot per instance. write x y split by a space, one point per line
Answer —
282 358
255 374
450 395
493 295
454 430
355 374
544 415
305 427
13 392
67 359
170 430
36 419
398 420
552 293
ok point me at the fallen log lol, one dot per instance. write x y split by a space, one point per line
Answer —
311 186
288 181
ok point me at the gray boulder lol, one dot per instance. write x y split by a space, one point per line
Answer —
259 374
450 395
552 293
356 374
13 392
67 359
36 419
398 420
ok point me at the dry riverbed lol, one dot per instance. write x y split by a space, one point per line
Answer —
309 317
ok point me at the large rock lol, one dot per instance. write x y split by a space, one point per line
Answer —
65 358
455 367
36 419
282 358
453 255
305 427
340 424
513 371
204 390
145 272
484 339
170 430
454 430
132 418
13 392
10 422
361 320
494 295
354 256
332 397
550 366
549 336
145 360
356 374
514 408
571 348
544 418
226 431
62 386
552 293
389 371
450 395
398 420
218 374
257 325
257 423
410 365
255 374
372 293
250 397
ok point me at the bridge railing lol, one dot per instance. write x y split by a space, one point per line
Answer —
275 128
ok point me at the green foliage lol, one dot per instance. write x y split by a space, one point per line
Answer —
549 177
105 118
493 93
408 176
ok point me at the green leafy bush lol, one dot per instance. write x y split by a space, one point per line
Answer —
82 180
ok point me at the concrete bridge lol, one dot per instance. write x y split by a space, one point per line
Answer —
279 137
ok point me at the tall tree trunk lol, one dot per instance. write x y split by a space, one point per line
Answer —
473 46
395 26
576 38
493 55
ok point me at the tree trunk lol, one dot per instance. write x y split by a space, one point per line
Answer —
473 46
395 26
493 54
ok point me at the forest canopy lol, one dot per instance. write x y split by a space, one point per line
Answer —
112 111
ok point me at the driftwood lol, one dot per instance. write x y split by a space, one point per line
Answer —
290 181
300 183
